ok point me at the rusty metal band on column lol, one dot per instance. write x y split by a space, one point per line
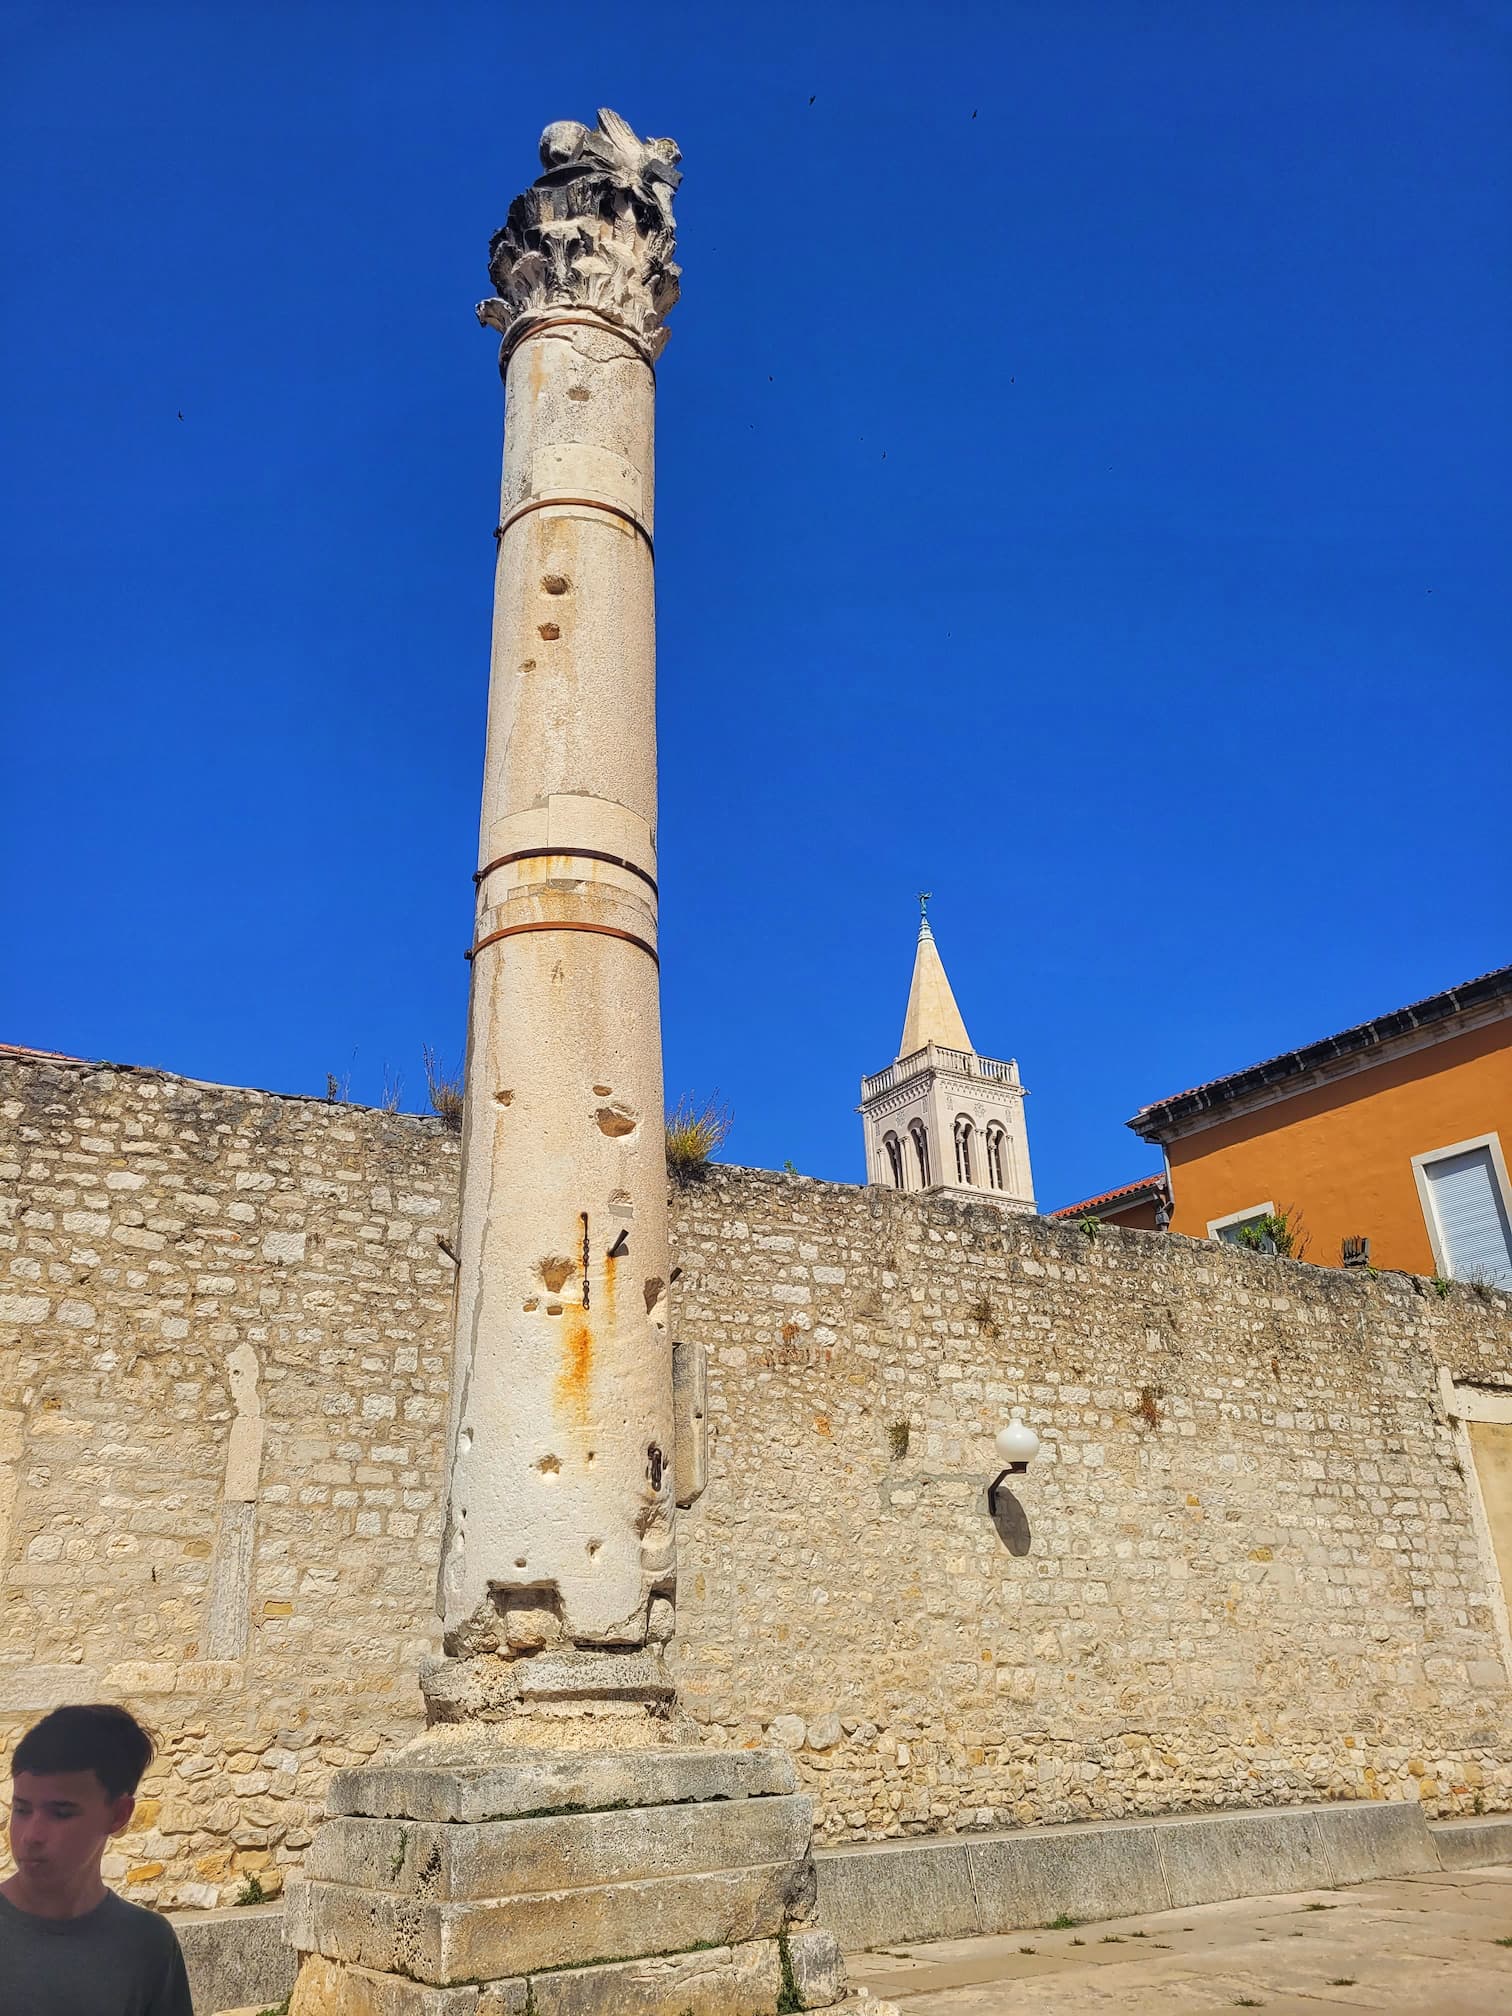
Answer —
567 854
590 503
597 930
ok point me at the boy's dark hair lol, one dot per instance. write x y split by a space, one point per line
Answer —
96 1737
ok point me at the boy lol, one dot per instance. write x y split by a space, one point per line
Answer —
69 1946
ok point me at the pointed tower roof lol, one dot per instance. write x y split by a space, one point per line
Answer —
933 1016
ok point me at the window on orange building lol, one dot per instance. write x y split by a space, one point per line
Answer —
1464 1192
1228 1229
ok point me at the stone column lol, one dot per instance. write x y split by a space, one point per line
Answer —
559 1528
546 1845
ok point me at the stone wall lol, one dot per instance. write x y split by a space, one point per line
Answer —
223 1371
1244 1570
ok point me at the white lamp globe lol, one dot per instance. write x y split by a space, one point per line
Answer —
1017 1443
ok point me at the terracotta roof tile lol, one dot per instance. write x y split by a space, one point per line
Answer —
1131 1192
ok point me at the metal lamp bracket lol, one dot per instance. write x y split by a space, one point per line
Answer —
1013 1470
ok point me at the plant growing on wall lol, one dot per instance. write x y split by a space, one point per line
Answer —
982 1312
694 1135
444 1089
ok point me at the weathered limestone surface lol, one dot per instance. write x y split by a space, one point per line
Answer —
1271 1594
558 1565
740 1980
926 1889
155 1234
1245 1570
445 1944
580 1783
561 1494
450 1902
524 1857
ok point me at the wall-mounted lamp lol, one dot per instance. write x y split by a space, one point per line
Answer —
1018 1445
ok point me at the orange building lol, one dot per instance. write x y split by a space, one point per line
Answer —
1393 1132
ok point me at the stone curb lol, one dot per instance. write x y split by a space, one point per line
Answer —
970 1885
1473 1844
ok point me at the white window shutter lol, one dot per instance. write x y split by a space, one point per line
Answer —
1472 1219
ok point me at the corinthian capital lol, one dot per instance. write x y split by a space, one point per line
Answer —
594 230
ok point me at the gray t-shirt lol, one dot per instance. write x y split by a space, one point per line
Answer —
117 1960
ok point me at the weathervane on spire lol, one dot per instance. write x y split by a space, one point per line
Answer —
924 896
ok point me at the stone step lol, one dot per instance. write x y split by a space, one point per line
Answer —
429 1787
440 1863
744 1979
442 1943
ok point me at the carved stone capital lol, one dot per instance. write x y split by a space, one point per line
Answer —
593 231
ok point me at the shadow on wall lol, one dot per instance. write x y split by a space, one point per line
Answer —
1011 1521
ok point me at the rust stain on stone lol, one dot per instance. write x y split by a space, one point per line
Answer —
554 1270
577 1367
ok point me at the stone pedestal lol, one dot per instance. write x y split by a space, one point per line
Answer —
652 1883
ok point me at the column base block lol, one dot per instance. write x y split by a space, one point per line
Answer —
652 1883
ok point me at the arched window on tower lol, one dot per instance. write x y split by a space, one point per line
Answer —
921 1152
894 1158
996 1166
963 1133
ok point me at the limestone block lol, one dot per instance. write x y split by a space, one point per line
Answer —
1241 1855
504 1998
743 1980
326 1988
487 1687
518 1858
1473 1844
236 1956
878 1896
818 1967
1367 1838
560 1782
790 1731
1094 1872
443 1944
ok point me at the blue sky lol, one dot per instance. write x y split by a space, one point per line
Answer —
1082 492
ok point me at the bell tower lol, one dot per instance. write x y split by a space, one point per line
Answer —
942 1117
